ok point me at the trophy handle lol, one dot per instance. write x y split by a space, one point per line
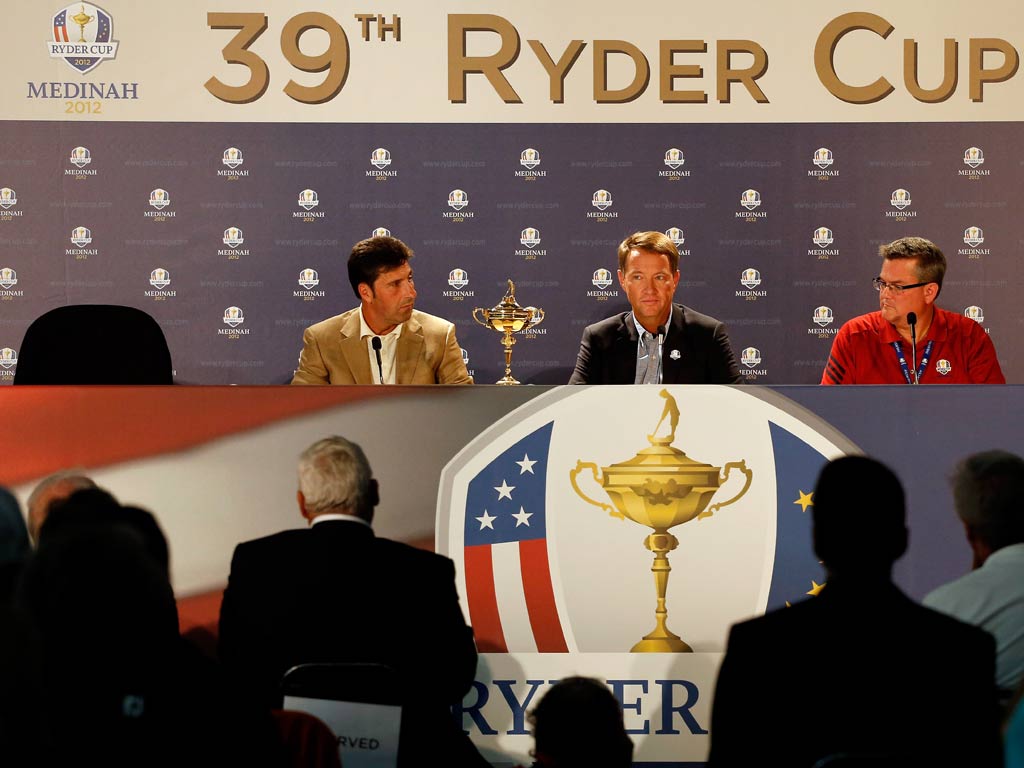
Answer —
742 467
481 322
580 466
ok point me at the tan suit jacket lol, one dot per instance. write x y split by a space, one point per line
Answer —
427 353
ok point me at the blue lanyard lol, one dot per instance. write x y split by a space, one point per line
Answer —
903 360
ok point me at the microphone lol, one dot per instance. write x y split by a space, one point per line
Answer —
912 322
375 343
661 343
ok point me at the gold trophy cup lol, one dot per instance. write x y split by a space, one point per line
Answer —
81 19
661 487
508 318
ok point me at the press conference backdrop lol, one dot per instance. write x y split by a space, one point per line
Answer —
212 163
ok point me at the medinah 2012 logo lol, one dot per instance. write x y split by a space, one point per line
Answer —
602 200
309 279
974 237
823 238
822 318
80 158
381 232
233 237
80 238
233 317
458 279
159 201
823 160
160 278
749 200
232 159
458 201
9 279
8 358
8 201
602 280
975 313
900 200
750 278
380 159
675 160
973 159
83 35
308 200
751 358
529 159
529 238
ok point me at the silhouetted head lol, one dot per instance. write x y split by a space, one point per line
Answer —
859 517
579 723
57 486
13 534
988 491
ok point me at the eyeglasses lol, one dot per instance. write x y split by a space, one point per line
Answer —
881 285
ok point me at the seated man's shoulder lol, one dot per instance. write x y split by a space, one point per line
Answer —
411 556
607 326
332 325
692 317
431 322
869 323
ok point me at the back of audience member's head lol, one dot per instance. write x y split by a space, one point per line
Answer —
57 486
91 507
13 533
859 517
335 477
988 491
579 723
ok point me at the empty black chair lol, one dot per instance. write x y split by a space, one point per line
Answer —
94 344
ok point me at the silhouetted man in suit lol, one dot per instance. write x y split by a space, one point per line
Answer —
335 592
860 669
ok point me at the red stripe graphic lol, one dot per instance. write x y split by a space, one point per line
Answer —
60 34
540 597
483 603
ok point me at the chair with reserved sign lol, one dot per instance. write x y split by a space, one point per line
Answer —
94 344
361 703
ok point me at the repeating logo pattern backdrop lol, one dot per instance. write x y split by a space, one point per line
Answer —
235 236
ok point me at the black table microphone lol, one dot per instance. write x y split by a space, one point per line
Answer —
375 343
912 322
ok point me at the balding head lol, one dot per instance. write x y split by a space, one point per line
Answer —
56 487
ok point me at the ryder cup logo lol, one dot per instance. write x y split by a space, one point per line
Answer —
81 157
159 199
674 158
81 236
8 358
676 235
232 157
8 278
529 158
976 313
529 237
750 278
308 199
233 237
308 278
465 356
458 199
381 232
823 316
750 199
823 157
233 316
602 199
8 198
602 278
943 367
900 199
159 278
82 36
823 237
973 157
751 357
458 278
380 158
974 236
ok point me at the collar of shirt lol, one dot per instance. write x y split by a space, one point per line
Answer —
640 330
936 332
1012 553
388 343
335 516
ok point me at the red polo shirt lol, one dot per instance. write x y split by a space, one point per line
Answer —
863 353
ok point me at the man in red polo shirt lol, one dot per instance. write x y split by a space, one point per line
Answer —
876 348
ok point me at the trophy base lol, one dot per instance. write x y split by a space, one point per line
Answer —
670 644
507 381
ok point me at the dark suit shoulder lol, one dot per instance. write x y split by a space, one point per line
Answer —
693 318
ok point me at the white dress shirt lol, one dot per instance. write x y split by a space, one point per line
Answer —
387 350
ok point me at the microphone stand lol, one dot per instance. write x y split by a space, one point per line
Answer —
375 343
912 321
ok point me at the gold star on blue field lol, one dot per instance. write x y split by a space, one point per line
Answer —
805 500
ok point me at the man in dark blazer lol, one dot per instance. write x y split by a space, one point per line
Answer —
656 341
860 670
335 592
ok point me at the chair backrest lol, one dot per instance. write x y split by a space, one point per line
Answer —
94 344
360 703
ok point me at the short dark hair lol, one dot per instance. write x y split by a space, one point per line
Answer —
579 723
931 262
655 241
987 491
859 515
374 255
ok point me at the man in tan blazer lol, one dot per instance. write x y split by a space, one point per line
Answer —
383 340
